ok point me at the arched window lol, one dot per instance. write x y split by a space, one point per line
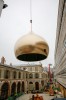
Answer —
43 75
26 75
36 75
19 75
30 75
7 74
14 74
42 82
30 82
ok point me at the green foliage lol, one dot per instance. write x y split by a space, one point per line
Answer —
16 95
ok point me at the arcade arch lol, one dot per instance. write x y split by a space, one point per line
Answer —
36 85
23 87
13 88
18 87
30 85
5 90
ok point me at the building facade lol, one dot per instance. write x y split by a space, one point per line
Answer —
37 78
17 79
60 49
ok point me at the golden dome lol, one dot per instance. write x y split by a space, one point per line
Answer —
31 47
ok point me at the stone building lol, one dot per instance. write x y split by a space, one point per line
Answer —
23 78
37 78
60 49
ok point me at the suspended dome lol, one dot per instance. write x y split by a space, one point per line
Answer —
31 47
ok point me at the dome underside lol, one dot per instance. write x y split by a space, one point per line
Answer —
31 57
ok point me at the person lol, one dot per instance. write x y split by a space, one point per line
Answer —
41 98
32 97
38 97
27 92
51 92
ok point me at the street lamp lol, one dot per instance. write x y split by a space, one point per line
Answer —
49 73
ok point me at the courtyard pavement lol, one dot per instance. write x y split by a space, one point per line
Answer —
28 96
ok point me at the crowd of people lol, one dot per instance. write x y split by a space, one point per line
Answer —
52 90
37 97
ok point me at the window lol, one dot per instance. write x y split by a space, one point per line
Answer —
42 82
30 75
26 75
36 75
30 68
42 75
30 82
23 75
19 75
14 74
7 74
36 68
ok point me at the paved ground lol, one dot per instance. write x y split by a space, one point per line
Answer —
28 96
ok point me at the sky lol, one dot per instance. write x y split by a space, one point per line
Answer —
15 22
